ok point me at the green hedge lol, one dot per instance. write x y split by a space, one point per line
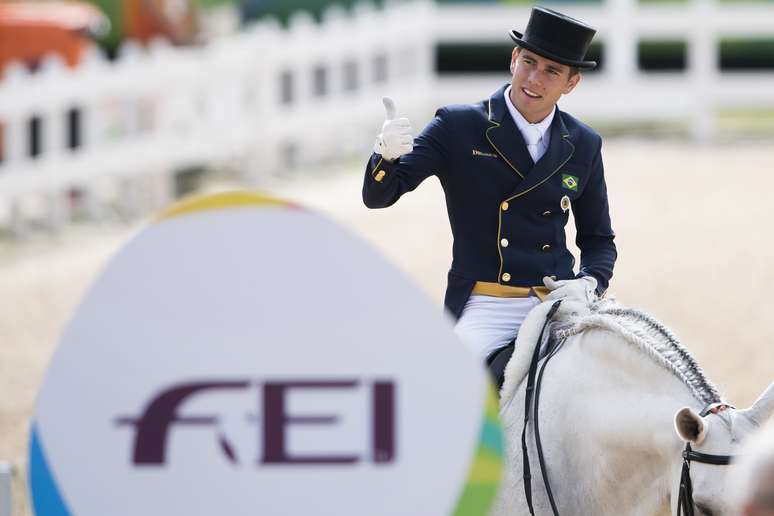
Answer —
661 55
747 54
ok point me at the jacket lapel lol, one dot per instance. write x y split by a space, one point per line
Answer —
559 152
505 137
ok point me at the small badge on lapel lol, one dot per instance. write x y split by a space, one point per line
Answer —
570 182
477 152
565 203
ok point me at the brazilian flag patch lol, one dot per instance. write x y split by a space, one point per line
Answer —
570 182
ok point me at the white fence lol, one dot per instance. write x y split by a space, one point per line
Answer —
262 100
270 98
621 92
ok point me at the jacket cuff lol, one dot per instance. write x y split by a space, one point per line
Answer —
382 168
600 290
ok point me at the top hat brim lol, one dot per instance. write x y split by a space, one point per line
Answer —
583 65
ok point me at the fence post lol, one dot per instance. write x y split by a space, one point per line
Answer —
6 489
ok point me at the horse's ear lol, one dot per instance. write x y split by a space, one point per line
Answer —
690 426
763 407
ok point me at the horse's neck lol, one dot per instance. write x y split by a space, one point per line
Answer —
621 419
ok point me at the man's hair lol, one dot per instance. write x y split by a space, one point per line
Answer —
574 70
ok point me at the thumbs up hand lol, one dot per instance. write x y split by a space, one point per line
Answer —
395 138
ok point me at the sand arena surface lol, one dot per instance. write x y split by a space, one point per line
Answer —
694 240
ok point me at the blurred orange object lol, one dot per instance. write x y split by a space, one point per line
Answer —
31 30
174 19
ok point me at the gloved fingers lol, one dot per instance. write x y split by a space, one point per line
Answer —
389 107
398 129
390 127
572 308
592 281
396 140
396 137
552 284
401 122
556 294
388 152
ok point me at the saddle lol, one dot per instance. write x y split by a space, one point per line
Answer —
498 360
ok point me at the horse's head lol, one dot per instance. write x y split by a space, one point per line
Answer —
710 437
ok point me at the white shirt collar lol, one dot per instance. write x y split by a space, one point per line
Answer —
522 122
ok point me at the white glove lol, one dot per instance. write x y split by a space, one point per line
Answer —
581 289
395 138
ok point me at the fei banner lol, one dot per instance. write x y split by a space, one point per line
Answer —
244 356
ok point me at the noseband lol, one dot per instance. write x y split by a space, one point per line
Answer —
685 497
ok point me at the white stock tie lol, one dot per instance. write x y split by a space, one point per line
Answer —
533 137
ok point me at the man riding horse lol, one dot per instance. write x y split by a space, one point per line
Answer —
511 167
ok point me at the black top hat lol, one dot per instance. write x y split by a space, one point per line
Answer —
557 37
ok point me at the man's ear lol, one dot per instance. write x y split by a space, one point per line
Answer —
572 82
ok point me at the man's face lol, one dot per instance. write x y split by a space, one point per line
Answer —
537 83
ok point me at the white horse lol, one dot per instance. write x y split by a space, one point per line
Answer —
618 403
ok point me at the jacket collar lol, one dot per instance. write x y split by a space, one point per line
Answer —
505 137
507 141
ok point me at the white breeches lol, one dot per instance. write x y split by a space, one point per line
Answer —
489 323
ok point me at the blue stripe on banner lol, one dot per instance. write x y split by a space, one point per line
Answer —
492 437
46 499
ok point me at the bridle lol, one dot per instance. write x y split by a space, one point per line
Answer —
685 496
685 505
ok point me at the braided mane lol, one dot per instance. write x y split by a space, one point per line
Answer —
652 338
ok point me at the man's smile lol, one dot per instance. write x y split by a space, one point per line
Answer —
531 94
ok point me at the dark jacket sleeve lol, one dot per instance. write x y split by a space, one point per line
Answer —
385 182
594 233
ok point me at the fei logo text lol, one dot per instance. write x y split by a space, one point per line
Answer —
155 426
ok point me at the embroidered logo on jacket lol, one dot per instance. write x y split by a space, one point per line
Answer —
570 182
487 154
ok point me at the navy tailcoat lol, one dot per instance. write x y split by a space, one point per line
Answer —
505 211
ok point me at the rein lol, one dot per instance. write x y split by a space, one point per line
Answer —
685 503
532 387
